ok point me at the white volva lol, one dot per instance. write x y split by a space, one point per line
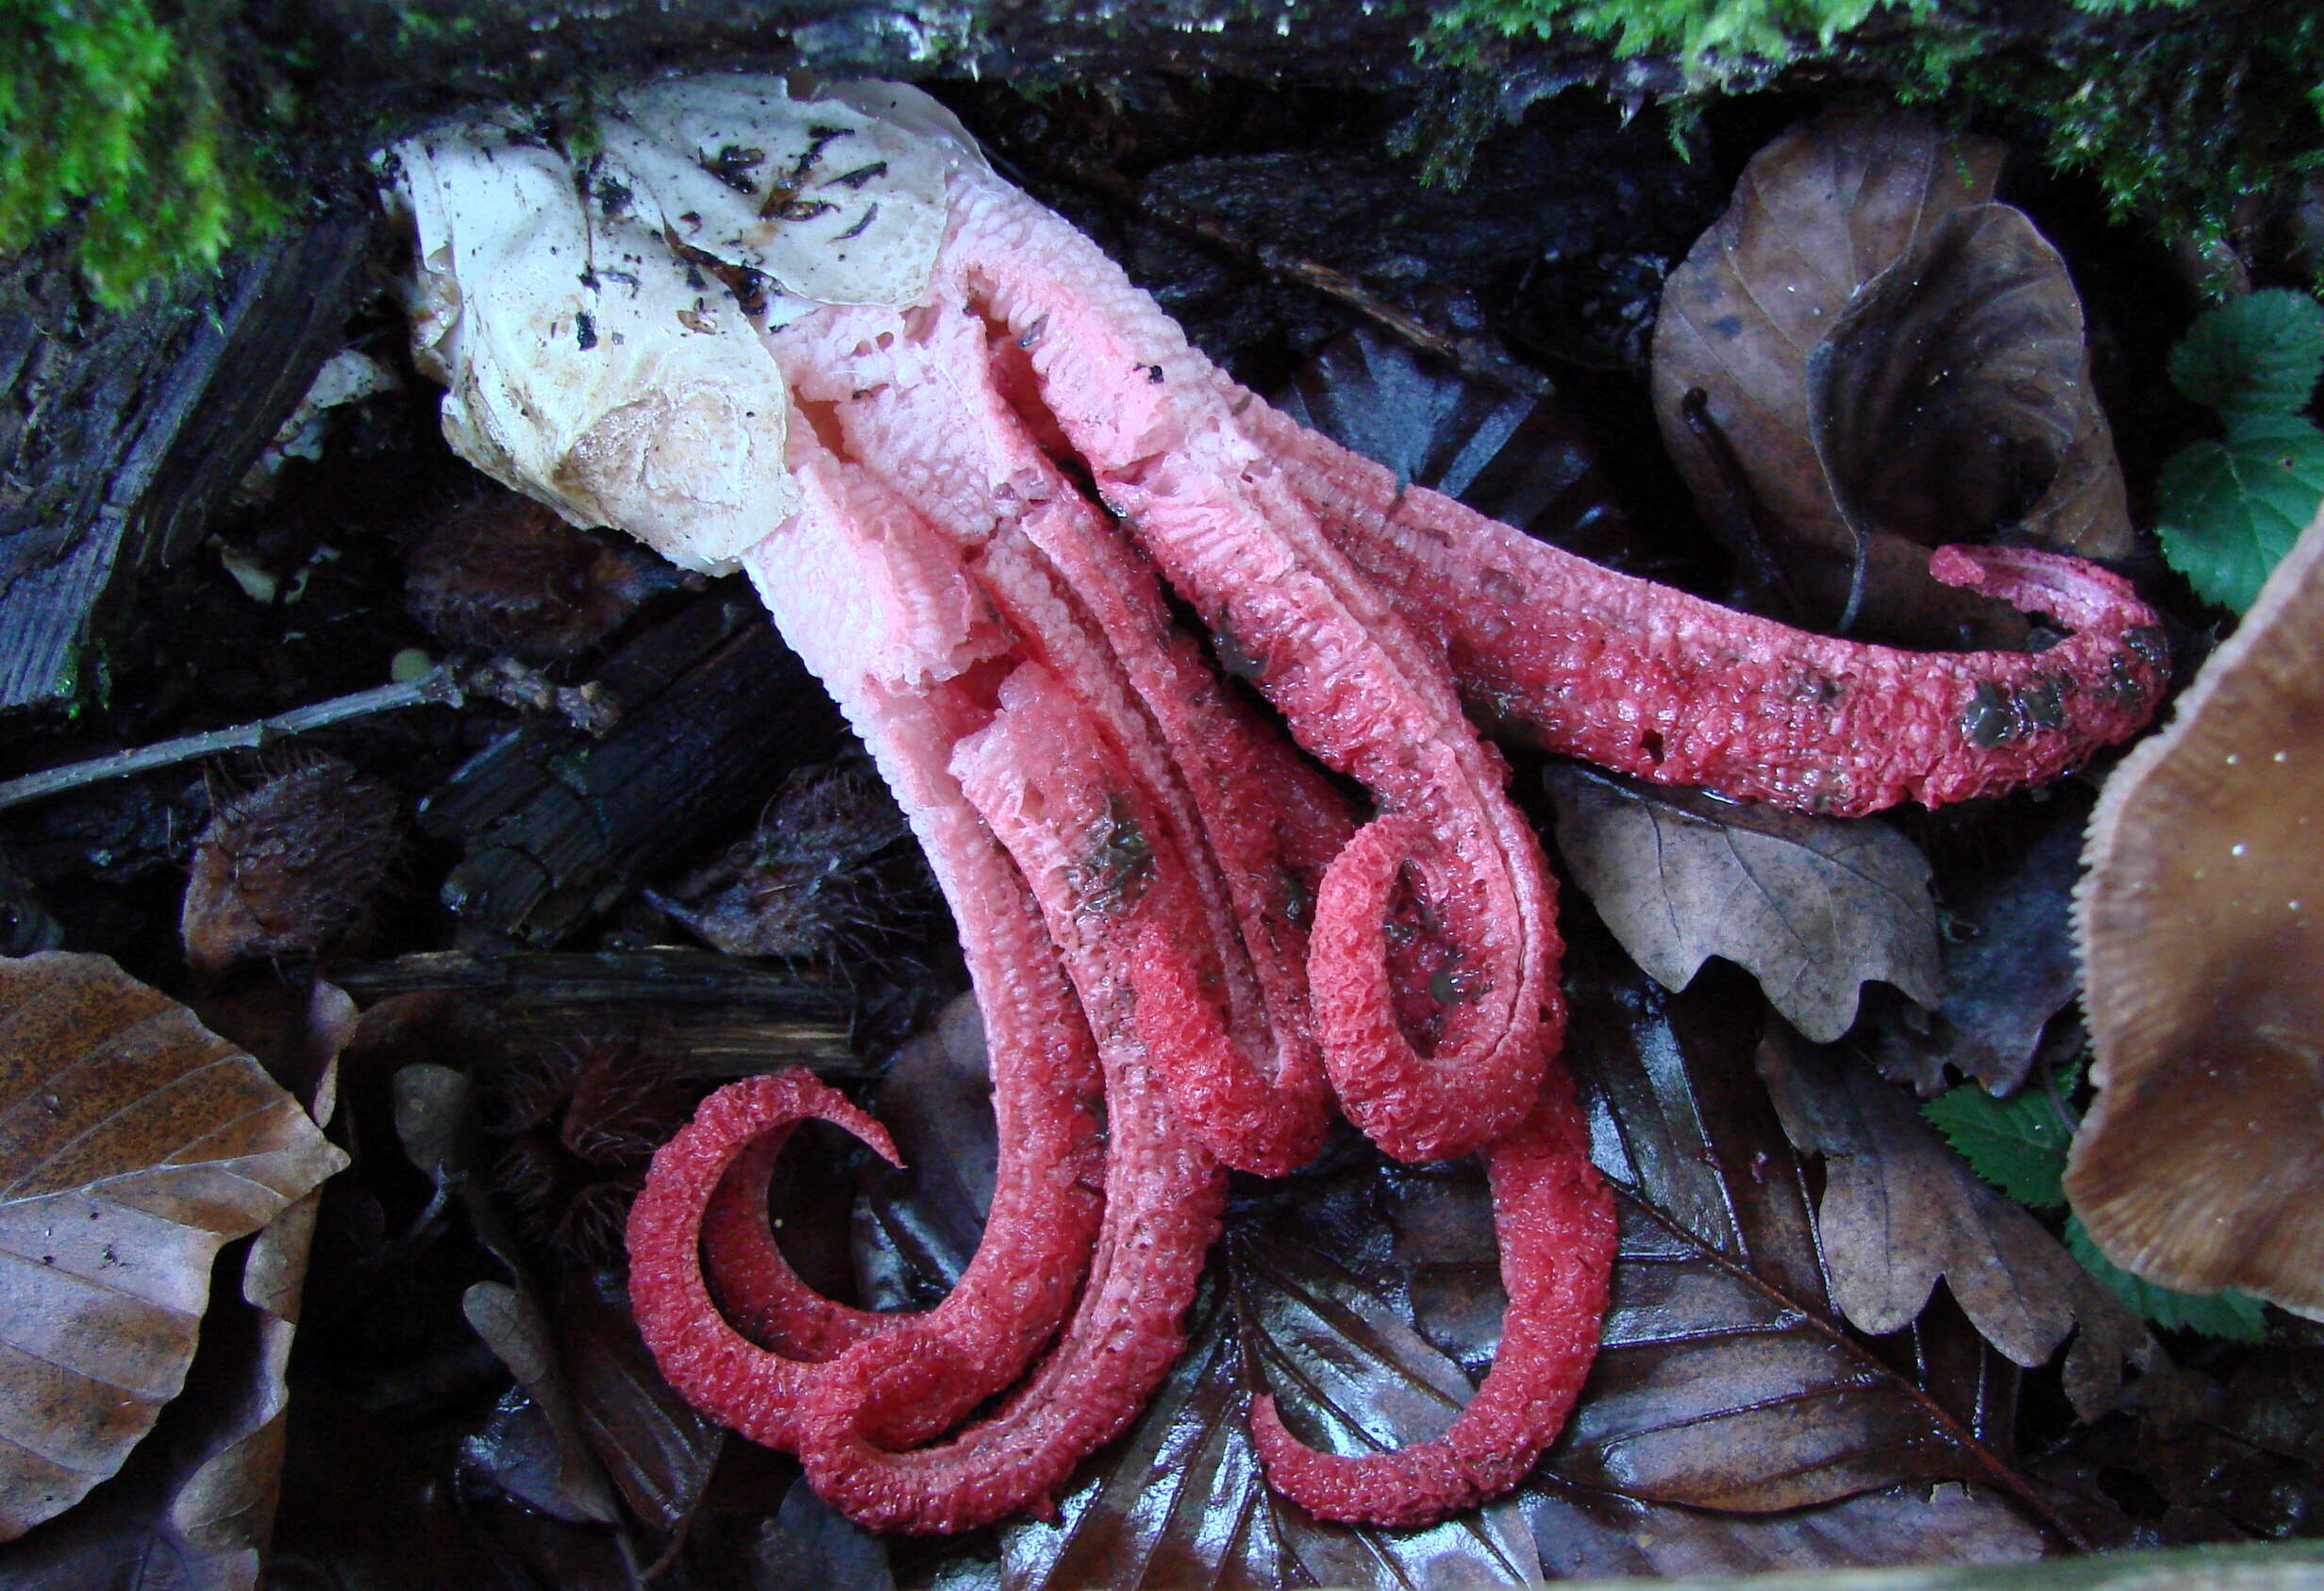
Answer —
579 311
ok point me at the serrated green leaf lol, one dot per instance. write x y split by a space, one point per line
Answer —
2260 354
2233 1316
2018 1143
2228 510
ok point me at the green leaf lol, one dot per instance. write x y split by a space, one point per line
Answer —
2018 1143
2260 354
2235 1316
2227 511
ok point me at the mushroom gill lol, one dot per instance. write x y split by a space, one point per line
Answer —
2202 924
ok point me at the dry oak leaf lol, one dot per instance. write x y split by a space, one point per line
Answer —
1892 360
1812 907
1900 1210
2201 927
134 1144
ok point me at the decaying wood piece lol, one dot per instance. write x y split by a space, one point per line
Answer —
555 825
119 433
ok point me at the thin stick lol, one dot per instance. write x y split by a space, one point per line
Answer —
441 684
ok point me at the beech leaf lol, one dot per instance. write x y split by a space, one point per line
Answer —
1731 1409
655 1447
1813 907
1951 397
1899 1211
1181 1501
1581 1533
1837 292
137 1144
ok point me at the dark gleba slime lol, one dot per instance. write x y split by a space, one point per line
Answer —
964 461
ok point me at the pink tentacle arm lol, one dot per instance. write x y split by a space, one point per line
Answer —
1555 1221
1651 682
1239 823
1360 691
1040 785
718 1369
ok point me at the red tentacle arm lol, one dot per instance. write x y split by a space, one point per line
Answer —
1651 682
1038 776
1555 1222
719 1371
1237 815
1358 689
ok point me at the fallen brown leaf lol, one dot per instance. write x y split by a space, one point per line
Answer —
2009 963
2198 1166
1812 318
1900 1209
1952 395
655 1447
1181 1502
137 1143
561 1475
225 1507
1582 1533
1813 907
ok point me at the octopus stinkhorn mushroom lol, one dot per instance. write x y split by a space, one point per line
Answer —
968 466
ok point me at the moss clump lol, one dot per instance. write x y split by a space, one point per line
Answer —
1696 31
2183 119
117 116
2189 124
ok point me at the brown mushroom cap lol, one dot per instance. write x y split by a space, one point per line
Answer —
2202 924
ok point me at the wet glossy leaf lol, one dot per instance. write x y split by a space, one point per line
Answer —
1813 907
1585 1532
137 1144
556 1472
1727 1378
1811 318
655 1447
1900 1210
2009 962
1181 1502
1501 452
1367 1296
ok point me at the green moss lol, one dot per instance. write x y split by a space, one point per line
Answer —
116 117
1701 33
2189 127
2184 121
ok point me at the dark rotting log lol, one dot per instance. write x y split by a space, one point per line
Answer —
120 433
713 708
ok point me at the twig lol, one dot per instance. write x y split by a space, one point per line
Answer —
439 684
